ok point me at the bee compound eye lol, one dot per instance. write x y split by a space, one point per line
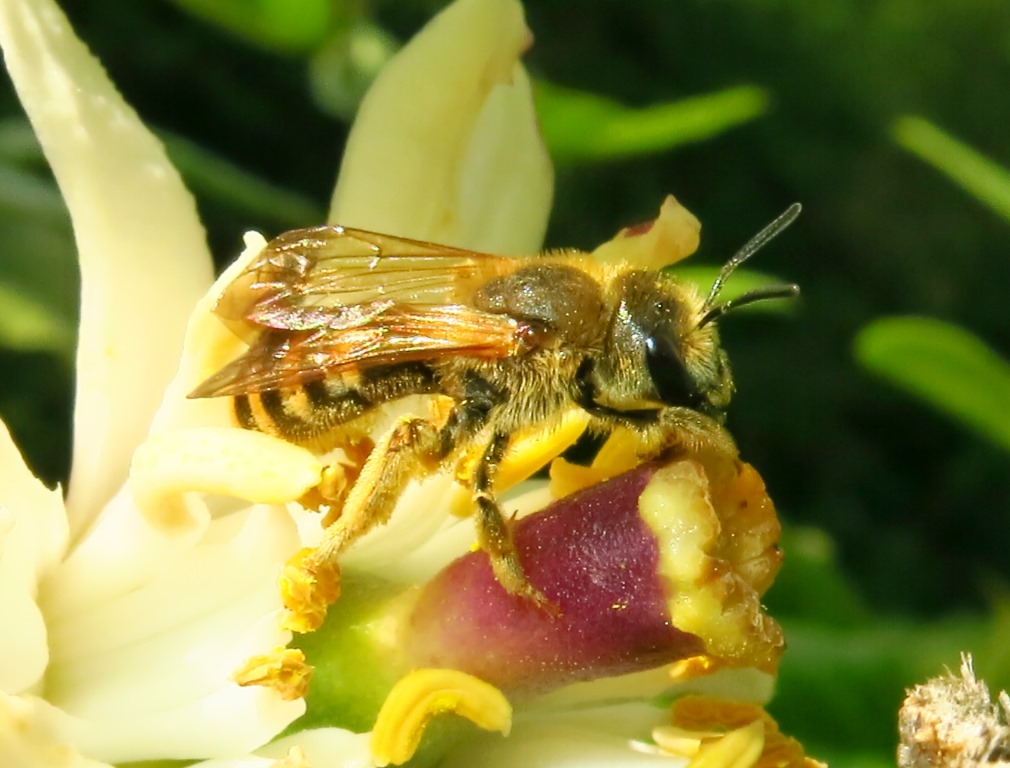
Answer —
669 376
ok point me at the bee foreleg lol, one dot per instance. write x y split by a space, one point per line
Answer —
493 531
678 430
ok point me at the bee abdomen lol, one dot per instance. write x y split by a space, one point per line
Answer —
309 411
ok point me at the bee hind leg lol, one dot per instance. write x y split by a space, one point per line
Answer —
494 534
412 448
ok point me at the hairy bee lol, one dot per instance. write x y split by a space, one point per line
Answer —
342 321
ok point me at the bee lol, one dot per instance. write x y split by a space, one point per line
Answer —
341 321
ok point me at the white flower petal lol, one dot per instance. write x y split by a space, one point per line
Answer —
222 461
123 551
445 145
426 531
420 513
750 685
318 748
34 734
327 748
608 736
507 184
33 536
230 720
146 633
248 761
144 259
24 651
208 347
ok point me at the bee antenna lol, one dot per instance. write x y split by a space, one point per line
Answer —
752 246
758 294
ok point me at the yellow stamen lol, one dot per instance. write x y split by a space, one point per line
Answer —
729 734
222 461
737 749
283 669
424 693
680 741
309 586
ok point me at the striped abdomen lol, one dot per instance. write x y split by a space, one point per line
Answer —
309 413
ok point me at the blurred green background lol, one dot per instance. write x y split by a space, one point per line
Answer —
877 407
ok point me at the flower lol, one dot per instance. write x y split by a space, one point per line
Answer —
148 622
128 608
119 636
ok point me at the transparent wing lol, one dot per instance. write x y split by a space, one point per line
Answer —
338 277
335 299
282 359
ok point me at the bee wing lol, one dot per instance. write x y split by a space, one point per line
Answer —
280 359
335 299
338 277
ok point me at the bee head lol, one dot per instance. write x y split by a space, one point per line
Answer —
663 341
660 354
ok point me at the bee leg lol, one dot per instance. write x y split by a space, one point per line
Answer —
493 531
411 449
684 430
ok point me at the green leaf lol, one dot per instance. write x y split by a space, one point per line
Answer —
976 173
342 70
38 261
28 323
581 126
38 285
210 174
944 365
812 584
285 25
27 194
839 690
18 142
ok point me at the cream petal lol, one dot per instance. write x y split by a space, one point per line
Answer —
34 734
445 145
24 650
316 748
326 748
33 536
606 736
426 531
231 720
146 633
507 183
222 461
673 235
209 345
121 552
143 255
421 513
749 685
33 525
